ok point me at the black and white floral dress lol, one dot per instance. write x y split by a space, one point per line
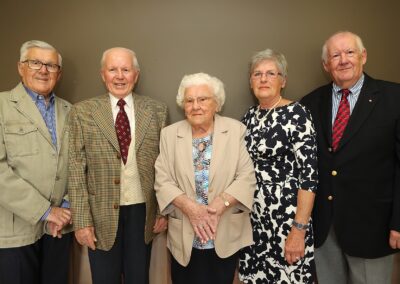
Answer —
282 145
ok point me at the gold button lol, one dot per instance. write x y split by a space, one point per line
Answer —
116 206
330 197
117 181
334 173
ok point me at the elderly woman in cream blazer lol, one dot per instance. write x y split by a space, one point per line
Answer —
205 183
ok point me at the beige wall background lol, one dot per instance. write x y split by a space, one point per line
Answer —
177 37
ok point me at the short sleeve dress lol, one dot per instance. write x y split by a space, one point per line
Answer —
282 145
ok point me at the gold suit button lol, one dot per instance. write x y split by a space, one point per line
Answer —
334 173
330 197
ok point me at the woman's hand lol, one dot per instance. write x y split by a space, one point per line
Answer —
200 218
295 245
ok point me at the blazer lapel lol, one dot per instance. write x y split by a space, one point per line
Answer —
184 148
143 116
365 104
104 119
220 137
326 112
25 105
61 112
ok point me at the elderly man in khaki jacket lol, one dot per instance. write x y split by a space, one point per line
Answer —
33 172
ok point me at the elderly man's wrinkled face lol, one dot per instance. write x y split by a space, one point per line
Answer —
344 60
118 73
40 81
200 105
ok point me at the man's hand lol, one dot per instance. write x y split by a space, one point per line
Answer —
160 225
54 230
86 237
59 216
394 239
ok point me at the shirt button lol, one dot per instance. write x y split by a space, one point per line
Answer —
116 206
330 197
334 173
329 149
117 181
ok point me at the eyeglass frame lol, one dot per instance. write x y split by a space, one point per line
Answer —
202 100
268 74
47 65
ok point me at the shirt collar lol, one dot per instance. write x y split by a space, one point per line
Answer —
128 100
353 89
36 97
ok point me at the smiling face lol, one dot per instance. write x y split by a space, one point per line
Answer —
266 82
118 73
40 81
200 106
344 60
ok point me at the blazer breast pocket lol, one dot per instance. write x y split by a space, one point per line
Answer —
21 139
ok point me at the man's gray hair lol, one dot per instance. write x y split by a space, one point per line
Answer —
359 44
134 58
38 44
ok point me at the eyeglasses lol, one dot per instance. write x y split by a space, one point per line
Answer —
37 65
200 100
337 55
269 74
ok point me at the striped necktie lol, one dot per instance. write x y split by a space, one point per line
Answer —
341 120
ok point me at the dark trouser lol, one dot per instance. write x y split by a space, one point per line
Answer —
44 262
129 258
205 267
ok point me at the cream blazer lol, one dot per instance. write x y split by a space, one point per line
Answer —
231 171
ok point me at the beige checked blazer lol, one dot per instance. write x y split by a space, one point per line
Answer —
95 164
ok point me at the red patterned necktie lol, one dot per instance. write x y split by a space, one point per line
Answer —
341 120
123 130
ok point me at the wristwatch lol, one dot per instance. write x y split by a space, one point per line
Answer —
299 225
226 202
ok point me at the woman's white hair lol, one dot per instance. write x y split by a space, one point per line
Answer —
216 86
39 44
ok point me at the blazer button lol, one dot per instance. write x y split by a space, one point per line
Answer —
118 156
116 206
334 173
330 197
117 181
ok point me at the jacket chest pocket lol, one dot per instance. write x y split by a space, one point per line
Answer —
21 139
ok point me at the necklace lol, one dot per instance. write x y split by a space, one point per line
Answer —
262 120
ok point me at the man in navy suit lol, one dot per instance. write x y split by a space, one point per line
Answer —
357 208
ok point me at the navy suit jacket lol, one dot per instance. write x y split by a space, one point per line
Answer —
359 184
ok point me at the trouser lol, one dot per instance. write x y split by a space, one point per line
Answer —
336 267
44 262
129 258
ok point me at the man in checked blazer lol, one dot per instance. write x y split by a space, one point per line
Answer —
357 207
112 197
